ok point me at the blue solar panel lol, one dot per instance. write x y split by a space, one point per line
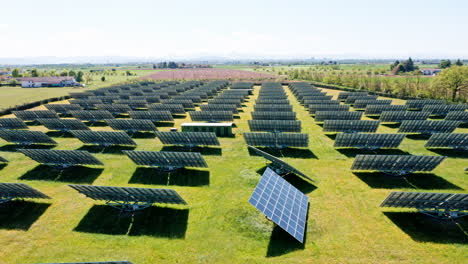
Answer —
281 202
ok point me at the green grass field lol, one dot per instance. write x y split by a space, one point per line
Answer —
15 95
345 224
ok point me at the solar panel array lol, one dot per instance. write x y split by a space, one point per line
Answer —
461 116
368 141
352 99
115 109
396 164
188 138
173 108
155 116
275 125
63 124
418 104
350 126
220 107
63 158
313 108
321 116
132 125
12 123
362 104
427 126
279 165
442 110
281 202
274 115
92 115
86 104
342 96
26 137
398 116
104 138
273 108
10 191
448 140
211 116
277 140
33 115
376 110
63 108
167 159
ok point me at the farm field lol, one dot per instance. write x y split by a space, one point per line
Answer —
210 74
15 95
345 222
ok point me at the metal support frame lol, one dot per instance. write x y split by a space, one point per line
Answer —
4 200
444 214
128 206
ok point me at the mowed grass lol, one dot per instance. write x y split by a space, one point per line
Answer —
15 95
345 222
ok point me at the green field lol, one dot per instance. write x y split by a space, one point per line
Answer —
345 222
15 95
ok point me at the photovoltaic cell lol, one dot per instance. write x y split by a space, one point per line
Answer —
26 137
167 159
104 138
63 108
12 123
173 108
10 191
461 116
188 138
92 115
35 114
448 140
275 125
398 116
376 110
63 124
211 116
277 140
428 126
63 158
441 110
321 116
396 164
368 141
132 125
274 115
281 202
155 116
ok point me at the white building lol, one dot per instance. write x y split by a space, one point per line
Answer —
432 72
34 82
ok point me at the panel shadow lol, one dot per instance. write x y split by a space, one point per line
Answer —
418 136
77 174
21 215
427 181
14 147
423 228
164 124
180 177
353 152
3 165
452 153
106 150
286 152
60 134
152 221
210 151
141 135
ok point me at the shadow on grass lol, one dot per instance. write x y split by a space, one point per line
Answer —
418 136
286 152
211 151
164 124
141 134
452 153
281 242
391 125
331 136
60 134
15 148
77 174
351 153
180 177
427 181
295 180
423 228
152 221
21 215
3 165
179 116
96 123
106 150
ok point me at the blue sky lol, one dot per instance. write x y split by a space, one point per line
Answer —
184 29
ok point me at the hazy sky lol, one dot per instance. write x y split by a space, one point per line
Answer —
288 28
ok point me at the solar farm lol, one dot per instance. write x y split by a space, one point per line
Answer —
308 175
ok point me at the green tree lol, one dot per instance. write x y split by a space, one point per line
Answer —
79 76
452 82
459 63
396 63
398 69
15 73
65 73
103 78
128 73
34 73
408 65
71 73
445 64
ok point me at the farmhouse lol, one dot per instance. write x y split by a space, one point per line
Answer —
33 82
430 71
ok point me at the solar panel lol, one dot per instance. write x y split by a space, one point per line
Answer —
323 102
277 140
26 137
442 110
92 115
350 126
185 102
134 104
396 164
104 138
33 115
173 108
86 104
313 108
399 116
225 101
132 125
155 116
273 115
272 102
281 202
273 108
427 126
418 104
129 198
461 116
63 108
439 205
10 191
275 125
211 116
362 104
307 98
321 116
368 141
12 123
280 166
167 159
63 158
188 138
220 107
345 95
376 110
63 124
353 99
115 109
448 140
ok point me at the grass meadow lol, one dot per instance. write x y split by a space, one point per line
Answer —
345 222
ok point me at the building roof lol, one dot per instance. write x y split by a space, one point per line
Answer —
208 124
45 79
